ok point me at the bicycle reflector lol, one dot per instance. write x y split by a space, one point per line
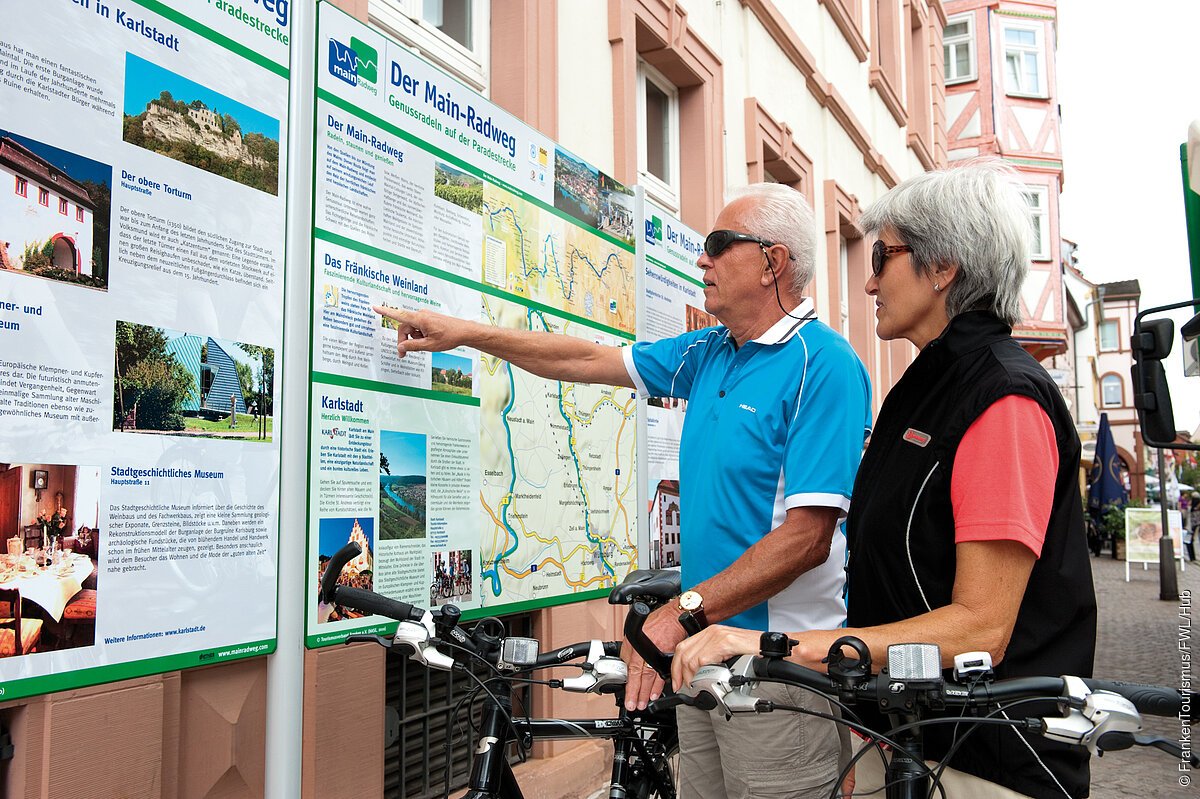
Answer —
915 663
517 653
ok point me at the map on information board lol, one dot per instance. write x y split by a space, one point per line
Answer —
468 480
558 479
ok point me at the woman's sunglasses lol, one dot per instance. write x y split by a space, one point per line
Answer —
880 252
719 240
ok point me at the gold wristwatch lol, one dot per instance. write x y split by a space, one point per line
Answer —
691 602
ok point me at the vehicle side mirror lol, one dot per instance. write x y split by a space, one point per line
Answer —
1151 342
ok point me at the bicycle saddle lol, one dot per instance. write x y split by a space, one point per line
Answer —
658 584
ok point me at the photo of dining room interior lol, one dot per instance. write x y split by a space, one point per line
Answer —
49 550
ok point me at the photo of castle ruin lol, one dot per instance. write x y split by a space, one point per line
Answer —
168 114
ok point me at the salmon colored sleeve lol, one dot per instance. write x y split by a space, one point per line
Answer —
1004 471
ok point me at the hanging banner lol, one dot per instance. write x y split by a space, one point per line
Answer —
142 174
672 303
463 479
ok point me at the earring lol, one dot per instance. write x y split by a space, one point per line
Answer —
937 286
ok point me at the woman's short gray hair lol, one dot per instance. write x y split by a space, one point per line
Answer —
974 216
782 215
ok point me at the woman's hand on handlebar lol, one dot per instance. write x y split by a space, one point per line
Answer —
644 685
712 645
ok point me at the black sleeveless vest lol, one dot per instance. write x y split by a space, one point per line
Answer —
901 538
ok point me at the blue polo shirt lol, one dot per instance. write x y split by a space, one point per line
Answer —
774 424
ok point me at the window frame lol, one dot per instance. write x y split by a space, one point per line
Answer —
79 213
1116 323
667 193
43 197
1042 211
1039 51
22 186
969 40
404 20
63 206
1107 380
844 285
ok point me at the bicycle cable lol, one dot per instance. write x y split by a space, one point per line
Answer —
861 728
953 750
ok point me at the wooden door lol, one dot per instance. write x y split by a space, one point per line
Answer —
10 502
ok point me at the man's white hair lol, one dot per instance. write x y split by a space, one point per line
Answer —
782 215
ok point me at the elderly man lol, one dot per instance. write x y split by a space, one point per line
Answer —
779 406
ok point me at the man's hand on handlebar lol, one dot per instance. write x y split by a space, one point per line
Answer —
713 644
644 685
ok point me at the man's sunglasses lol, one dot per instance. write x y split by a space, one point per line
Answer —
719 240
880 252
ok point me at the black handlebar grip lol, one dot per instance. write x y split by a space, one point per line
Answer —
1154 700
612 648
375 604
690 624
333 570
777 669
634 620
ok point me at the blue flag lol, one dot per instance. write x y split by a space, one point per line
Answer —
1105 486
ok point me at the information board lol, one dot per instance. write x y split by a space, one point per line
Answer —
143 159
672 302
462 478
1143 532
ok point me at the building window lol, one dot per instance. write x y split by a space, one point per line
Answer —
772 155
958 48
78 214
22 186
1111 391
1040 218
43 197
658 128
62 206
886 70
452 33
1024 62
1110 336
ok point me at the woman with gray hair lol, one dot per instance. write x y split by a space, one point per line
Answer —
965 528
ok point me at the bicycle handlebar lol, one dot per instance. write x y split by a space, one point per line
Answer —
437 641
1153 700
650 653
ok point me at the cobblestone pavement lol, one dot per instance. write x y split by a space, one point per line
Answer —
1139 640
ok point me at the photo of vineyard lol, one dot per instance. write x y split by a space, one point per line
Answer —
460 188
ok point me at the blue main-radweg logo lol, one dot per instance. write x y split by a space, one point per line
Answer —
353 63
654 229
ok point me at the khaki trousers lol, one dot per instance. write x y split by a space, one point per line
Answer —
777 754
869 776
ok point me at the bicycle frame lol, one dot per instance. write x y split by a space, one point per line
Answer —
492 777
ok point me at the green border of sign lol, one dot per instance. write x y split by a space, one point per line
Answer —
184 21
114 672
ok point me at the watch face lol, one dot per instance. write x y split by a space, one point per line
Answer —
690 601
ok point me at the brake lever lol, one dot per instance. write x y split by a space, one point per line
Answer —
669 703
363 638
726 686
602 673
